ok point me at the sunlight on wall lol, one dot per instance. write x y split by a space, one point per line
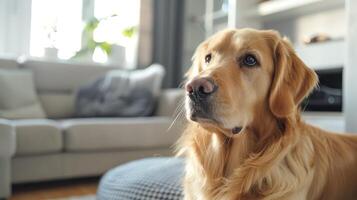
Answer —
56 23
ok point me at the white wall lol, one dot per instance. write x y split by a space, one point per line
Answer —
2 24
350 71
331 22
194 30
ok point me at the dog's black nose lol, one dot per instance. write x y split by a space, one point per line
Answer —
201 87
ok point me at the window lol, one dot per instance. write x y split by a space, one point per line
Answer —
58 24
115 17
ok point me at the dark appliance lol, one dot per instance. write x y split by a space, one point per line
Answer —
328 96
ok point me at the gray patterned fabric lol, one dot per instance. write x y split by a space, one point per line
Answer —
92 101
146 179
18 98
121 94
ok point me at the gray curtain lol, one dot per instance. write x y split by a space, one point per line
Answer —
167 38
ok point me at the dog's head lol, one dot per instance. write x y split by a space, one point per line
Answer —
239 75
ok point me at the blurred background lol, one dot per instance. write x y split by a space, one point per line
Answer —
64 46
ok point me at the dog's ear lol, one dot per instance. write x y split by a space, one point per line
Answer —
292 80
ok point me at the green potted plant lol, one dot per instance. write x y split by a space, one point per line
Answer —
51 51
114 52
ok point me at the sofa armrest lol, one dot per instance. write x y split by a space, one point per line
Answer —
7 139
7 150
169 101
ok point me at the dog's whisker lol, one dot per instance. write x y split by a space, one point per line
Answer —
175 119
181 103
179 109
182 84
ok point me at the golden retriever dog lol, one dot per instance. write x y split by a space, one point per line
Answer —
245 138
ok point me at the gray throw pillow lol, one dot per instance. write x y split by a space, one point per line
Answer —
18 98
121 93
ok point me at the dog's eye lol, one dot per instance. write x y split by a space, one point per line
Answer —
249 60
208 58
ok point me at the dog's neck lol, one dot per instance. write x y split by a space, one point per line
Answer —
219 155
252 140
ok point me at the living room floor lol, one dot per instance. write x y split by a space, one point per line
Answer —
55 189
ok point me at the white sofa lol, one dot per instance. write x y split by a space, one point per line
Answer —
61 146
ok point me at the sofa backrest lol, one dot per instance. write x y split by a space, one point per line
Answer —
57 82
8 63
63 77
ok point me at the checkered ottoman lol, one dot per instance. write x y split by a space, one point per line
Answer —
146 179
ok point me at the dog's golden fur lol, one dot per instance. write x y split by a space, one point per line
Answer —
276 155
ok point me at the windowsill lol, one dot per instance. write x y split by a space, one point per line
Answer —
84 62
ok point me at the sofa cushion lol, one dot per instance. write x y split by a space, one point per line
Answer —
8 63
118 133
170 102
57 105
37 136
121 93
18 99
50 76
7 139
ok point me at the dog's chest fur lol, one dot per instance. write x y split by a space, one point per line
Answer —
219 166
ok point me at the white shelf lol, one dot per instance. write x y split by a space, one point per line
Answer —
327 55
217 15
332 121
278 9
320 114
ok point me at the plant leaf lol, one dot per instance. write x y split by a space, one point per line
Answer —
106 47
81 53
129 32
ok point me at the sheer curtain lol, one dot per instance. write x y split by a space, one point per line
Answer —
15 18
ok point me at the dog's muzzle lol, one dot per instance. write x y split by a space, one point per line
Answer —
200 93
